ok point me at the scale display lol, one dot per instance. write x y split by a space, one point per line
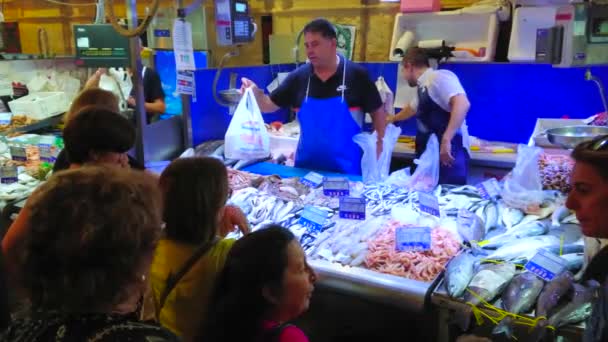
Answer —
99 45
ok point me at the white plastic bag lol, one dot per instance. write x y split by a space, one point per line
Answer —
374 169
387 96
523 188
246 137
426 176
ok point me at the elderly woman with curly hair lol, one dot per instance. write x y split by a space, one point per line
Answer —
87 255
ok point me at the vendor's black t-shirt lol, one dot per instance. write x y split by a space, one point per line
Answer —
360 91
153 88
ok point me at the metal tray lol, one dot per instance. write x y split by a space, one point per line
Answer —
570 136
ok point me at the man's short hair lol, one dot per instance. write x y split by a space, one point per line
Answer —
322 26
416 57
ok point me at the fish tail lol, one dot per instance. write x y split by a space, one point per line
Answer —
504 327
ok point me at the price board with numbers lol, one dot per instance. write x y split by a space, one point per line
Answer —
352 208
18 153
8 174
428 203
46 153
546 265
312 179
313 218
412 239
489 189
336 187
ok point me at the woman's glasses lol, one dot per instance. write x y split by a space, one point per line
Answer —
600 144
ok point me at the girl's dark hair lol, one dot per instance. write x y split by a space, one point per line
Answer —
594 153
255 262
97 129
195 189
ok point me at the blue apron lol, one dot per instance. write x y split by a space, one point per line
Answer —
432 119
326 134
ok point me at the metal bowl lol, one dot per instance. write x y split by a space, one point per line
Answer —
231 96
570 136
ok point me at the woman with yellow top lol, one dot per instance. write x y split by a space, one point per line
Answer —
192 252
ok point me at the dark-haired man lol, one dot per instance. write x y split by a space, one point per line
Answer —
331 96
440 108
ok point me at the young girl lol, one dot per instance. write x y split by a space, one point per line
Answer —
192 251
266 282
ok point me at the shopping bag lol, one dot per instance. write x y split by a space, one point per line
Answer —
426 176
523 187
387 96
246 137
375 169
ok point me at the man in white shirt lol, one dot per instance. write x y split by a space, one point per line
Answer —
440 108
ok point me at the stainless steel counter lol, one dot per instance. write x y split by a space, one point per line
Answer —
496 160
404 293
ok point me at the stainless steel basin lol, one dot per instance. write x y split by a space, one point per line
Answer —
570 136
231 96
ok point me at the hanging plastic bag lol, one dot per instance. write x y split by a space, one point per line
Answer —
375 169
247 137
426 176
523 188
387 96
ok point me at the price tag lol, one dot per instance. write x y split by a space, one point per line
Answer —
6 118
428 203
413 239
18 153
312 179
47 140
336 187
489 189
546 265
46 153
352 208
8 174
313 218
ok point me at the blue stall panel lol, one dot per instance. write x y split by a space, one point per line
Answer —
165 66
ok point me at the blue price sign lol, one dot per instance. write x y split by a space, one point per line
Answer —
546 265
336 187
18 153
8 174
312 179
352 208
412 239
313 218
162 33
46 153
489 189
428 203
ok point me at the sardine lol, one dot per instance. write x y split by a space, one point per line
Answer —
459 273
491 216
519 297
470 226
523 249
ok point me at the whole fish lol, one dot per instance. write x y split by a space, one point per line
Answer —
470 226
571 248
512 217
523 249
519 297
575 311
489 282
552 293
558 215
491 216
535 228
459 273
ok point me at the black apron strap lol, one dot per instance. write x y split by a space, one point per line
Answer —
173 280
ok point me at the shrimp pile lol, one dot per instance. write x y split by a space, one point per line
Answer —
422 266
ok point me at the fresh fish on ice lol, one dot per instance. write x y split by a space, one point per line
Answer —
552 293
470 226
535 228
512 217
523 249
519 297
491 216
489 282
574 261
459 273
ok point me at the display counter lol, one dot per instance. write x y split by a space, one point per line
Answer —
481 159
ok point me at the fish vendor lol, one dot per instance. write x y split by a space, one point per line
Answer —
440 107
331 96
